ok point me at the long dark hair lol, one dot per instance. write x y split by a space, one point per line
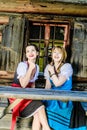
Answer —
34 45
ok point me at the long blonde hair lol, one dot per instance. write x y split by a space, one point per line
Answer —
64 56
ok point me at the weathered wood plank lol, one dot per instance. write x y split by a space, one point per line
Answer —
42 94
79 48
44 7
21 124
12 43
4 19
65 1
6 74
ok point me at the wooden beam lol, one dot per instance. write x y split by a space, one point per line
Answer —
6 74
42 94
44 7
66 1
4 19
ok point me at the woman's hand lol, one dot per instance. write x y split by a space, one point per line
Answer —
31 65
57 80
51 69
29 74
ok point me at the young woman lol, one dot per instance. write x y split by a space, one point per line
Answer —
25 76
58 76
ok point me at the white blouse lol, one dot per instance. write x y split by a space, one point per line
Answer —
22 69
65 70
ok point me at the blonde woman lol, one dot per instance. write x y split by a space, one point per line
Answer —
58 75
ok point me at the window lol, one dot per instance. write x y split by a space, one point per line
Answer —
45 36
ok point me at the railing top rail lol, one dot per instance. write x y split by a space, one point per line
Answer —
42 94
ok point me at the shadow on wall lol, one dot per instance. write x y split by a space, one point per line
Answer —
76 68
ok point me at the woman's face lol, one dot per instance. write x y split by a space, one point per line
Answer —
57 55
31 53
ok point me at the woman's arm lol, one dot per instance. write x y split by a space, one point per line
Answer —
58 81
48 84
33 85
24 80
66 72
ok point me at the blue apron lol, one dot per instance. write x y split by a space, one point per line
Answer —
58 112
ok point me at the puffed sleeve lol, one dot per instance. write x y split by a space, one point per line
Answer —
46 73
21 69
66 70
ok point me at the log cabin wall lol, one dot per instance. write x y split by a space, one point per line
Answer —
14 38
79 48
11 47
12 43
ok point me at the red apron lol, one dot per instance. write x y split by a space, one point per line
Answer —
19 107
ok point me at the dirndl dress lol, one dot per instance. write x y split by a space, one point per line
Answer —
27 107
59 113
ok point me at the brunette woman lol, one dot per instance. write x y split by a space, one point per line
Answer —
25 76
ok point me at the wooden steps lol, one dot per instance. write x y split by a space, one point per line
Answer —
5 122
22 124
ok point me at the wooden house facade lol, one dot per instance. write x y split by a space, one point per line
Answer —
45 23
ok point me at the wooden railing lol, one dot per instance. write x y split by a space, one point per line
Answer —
42 94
